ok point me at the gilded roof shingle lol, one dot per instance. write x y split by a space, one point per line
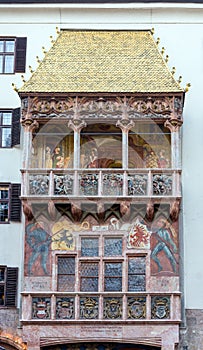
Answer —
103 61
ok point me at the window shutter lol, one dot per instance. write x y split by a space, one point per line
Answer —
15 127
15 214
11 286
21 44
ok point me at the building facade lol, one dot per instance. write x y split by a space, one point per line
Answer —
99 259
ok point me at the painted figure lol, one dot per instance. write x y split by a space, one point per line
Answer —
93 159
164 244
39 241
48 159
163 162
58 158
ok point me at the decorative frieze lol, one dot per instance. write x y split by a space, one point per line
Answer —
89 308
38 184
112 184
41 308
88 184
63 184
162 185
112 308
65 308
137 185
103 107
160 307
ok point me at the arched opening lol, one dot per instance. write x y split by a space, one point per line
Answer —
101 146
101 346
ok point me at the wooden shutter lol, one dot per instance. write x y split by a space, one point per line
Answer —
15 140
11 286
15 212
20 57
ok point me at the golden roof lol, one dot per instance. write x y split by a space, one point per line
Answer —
103 61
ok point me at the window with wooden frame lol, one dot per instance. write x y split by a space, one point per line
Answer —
8 286
10 203
9 128
12 55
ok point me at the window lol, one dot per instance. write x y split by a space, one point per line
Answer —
100 266
8 285
10 203
9 128
12 55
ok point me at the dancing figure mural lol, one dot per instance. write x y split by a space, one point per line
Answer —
164 245
39 242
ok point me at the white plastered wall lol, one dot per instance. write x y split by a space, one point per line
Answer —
180 28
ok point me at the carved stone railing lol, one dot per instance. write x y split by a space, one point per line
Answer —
140 306
101 182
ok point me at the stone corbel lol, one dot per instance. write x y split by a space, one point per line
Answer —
52 210
150 210
175 209
76 211
100 211
27 210
125 210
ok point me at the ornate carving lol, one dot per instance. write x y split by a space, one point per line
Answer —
125 125
29 124
76 212
125 210
136 307
77 124
89 308
112 184
137 185
160 307
52 210
41 308
88 184
38 184
63 184
113 308
162 184
111 107
173 124
65 308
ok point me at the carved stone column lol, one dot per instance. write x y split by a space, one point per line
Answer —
29 125
125 125
174 126
76 125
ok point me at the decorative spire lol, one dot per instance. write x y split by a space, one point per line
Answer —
57 30
188 85
167 58
173 70
14 87
180 79
31 70
23 78
38 59
44 50
162 50
52 39
152 31
158 41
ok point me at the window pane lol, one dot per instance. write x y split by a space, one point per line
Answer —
1 295
1 46
7 118
9 64
4 192
113 277
89 247
6 137
112 246
2 274
113 284
10 46
66 274
136 265
1 64
3 211
89 277
136 283
113 269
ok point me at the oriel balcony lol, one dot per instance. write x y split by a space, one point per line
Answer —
102 183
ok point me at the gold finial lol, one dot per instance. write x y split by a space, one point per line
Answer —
180 79
57 30
43 49
188 85
52 40
158 41
173 70
31 70
23 78
167 58
14 87
152 31
162 50
38 60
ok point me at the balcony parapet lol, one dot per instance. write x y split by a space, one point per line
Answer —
102 183
95 307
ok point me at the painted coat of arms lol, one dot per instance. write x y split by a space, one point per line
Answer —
139 236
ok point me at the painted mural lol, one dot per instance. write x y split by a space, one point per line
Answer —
164 247
37 249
